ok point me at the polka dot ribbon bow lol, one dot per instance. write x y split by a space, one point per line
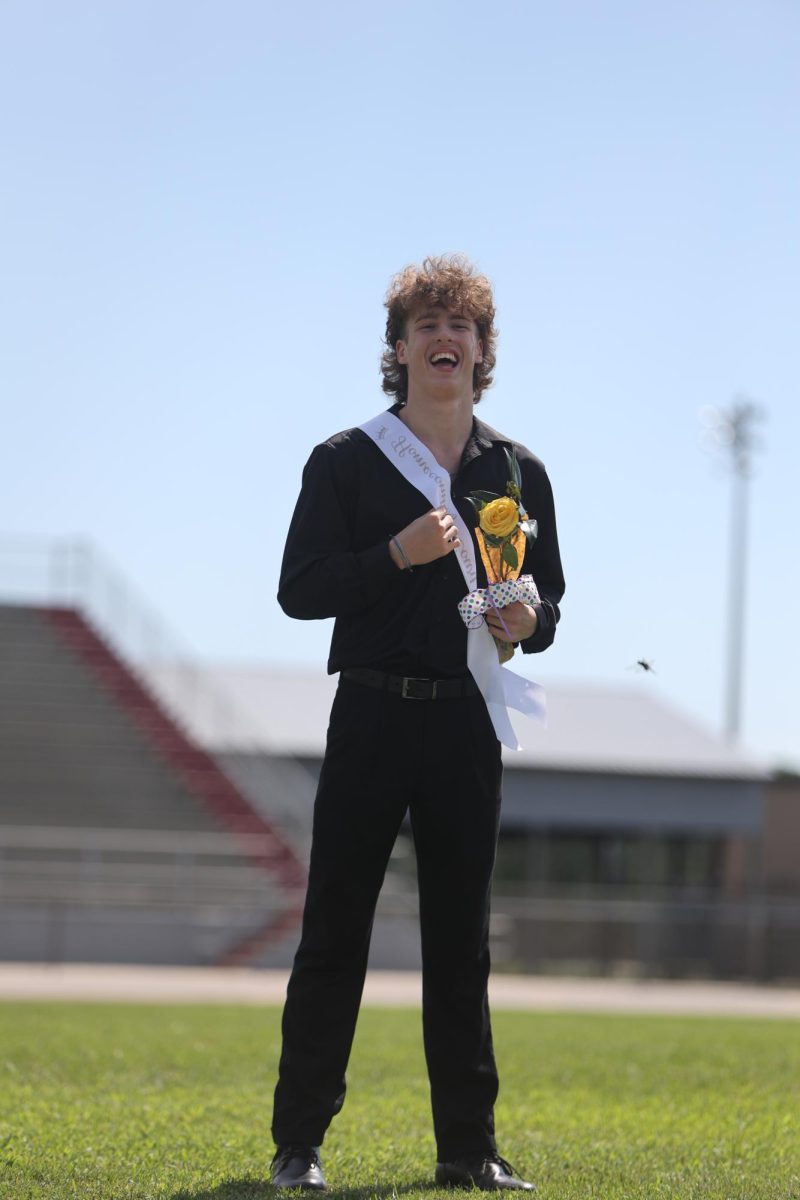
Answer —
496 595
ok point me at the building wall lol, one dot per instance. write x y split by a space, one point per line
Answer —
781 837
662 803
638 875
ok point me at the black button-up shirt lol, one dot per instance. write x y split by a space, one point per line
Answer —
337 561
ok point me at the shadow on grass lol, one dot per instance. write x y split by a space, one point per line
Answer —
257 1189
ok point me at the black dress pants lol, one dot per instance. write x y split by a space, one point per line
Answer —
386 755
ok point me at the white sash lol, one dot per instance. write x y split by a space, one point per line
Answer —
501 689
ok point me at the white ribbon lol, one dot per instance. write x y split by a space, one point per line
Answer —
501 689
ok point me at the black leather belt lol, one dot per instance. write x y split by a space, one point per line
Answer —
409 688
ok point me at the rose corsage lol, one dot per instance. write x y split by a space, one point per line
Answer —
503 531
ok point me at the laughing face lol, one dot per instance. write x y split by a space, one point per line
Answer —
440 351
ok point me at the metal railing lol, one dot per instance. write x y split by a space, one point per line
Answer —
74 878
71 572
120 867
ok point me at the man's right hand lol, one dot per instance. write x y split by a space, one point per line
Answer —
431 536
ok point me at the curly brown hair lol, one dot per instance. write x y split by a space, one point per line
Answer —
447 281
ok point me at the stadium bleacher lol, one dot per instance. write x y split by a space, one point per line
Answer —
120 838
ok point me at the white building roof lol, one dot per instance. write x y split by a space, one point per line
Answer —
590 727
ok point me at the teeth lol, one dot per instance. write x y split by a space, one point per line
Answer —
437 358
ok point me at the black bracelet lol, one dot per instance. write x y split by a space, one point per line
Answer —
407 564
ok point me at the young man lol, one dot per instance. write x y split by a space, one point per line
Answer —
411 730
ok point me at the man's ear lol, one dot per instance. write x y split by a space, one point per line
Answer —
400 351
479 354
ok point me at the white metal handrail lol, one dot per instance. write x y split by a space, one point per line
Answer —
166 841
71 572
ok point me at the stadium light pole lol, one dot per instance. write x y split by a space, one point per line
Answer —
732 431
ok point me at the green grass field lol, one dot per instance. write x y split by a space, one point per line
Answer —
112 1101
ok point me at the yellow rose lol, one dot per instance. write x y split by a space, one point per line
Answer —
499 517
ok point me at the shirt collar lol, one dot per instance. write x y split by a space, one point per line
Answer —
483 437
486 436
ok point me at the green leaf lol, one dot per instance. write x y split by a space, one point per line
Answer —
483 497
492 539
509 555
513 467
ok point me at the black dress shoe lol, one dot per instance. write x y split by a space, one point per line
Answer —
298 1167
487 1173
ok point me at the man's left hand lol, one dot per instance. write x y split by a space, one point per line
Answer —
520 619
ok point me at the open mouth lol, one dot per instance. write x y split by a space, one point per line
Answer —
444 358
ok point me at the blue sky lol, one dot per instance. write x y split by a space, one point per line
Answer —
202 205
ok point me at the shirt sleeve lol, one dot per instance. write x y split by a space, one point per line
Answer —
542 559
321 574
